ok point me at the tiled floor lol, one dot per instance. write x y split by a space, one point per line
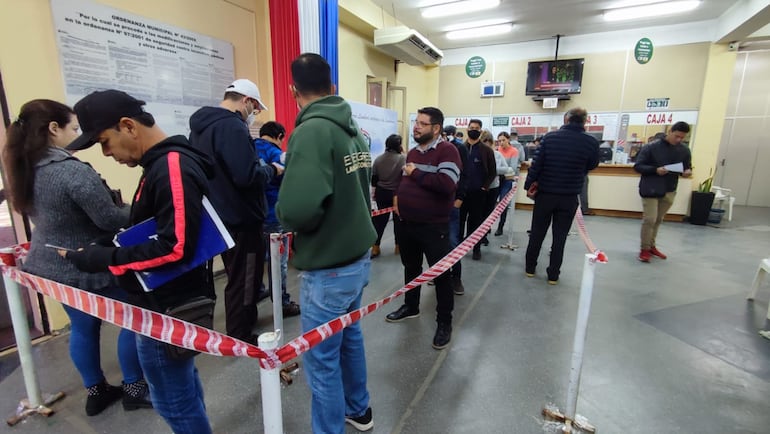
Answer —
671 347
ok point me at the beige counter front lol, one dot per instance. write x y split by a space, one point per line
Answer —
613 191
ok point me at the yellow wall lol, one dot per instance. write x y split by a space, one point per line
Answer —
30 68
359 58
713 107
676 72
693 76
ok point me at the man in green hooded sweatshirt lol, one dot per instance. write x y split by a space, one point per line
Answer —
324 199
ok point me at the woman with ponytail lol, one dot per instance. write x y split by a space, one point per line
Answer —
70 206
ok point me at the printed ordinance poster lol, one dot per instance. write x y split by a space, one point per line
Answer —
174 70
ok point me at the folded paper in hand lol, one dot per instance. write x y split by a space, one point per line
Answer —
213 239
676 167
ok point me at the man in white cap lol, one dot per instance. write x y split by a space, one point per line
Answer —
238 194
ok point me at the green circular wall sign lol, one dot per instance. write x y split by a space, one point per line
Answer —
643 51
475 66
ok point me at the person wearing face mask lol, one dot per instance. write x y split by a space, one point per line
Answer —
480 173
239 183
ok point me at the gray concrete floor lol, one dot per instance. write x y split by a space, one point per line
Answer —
672 346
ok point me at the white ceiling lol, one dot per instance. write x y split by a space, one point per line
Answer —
540 19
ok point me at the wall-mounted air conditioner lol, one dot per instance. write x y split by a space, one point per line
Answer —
407 45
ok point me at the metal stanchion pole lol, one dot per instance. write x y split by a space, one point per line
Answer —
584 308
270 383
276 243
34 403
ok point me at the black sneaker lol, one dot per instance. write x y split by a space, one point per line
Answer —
498 232
101 396
476 255
443 336
402 313
362 423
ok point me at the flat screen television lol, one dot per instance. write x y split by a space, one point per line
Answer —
560 77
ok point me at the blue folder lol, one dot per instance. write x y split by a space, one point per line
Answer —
213 239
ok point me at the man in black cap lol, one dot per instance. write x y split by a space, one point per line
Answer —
170 191
454 217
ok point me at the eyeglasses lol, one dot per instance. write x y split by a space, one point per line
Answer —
424 124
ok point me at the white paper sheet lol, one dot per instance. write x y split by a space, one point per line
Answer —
676 167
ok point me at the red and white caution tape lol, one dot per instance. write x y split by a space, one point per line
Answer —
313 337
581 224
146 322
377 212
174 331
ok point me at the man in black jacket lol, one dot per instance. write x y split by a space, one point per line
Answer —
479 173
239 181
564 158
650 163
170 191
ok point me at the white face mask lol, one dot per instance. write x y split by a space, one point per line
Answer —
250 119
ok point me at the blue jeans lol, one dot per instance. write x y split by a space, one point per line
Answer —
276 228
84 344
335 368
175 388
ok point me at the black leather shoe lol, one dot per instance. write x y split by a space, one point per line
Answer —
484 241
443 336
291 309
498 232
402 313
476 255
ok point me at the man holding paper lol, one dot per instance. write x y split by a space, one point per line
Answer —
660 163
174 180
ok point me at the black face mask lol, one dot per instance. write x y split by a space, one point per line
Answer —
474 134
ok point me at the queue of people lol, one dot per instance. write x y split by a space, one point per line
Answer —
441 190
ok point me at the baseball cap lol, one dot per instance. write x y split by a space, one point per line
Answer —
450 130
246 88
101 110
514 131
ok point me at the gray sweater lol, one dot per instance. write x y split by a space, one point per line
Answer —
72 208
386 170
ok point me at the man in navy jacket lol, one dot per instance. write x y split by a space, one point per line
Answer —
559 169
239 184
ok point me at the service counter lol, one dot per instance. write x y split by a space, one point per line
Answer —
613 190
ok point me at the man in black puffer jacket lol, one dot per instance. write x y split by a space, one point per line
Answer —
564 158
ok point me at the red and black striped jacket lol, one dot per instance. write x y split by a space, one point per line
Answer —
171 188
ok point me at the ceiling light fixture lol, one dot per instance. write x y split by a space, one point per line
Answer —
653 10
480 32
457 8
475 24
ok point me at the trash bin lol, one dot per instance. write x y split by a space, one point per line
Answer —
715 216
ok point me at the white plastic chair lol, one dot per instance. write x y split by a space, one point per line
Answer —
764 268
722 194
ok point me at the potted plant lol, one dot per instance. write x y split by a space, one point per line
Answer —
701 201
